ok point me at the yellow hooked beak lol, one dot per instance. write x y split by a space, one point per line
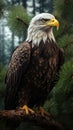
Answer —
53 22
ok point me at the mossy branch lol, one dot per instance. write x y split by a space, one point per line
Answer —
36 118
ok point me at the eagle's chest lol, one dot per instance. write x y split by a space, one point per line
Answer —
39 63
43 66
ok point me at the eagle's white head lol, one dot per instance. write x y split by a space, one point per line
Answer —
40 28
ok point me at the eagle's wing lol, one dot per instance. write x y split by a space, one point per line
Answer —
61 57
17 67
60 63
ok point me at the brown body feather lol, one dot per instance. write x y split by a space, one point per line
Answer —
31 73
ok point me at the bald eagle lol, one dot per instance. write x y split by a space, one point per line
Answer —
34 65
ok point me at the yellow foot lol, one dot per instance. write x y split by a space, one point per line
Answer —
27 109
43 112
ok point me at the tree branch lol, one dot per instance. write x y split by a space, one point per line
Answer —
21 20
36 118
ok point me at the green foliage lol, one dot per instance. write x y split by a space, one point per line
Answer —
63 94
18 26
65 84
61 103
58 7
51 107
69 52
67 10
66 40
2 5
63 9
2 79
2 91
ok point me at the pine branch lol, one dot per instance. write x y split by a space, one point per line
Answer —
45 121
68 45
21 20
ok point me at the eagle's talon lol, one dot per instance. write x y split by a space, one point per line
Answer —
31 111
27 109
43 112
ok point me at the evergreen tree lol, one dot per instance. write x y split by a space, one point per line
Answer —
45 6
2 91
2 46
18 20
2 6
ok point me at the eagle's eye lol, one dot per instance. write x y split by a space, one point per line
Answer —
53 20
44 20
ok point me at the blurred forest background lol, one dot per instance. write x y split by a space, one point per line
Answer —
15 16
